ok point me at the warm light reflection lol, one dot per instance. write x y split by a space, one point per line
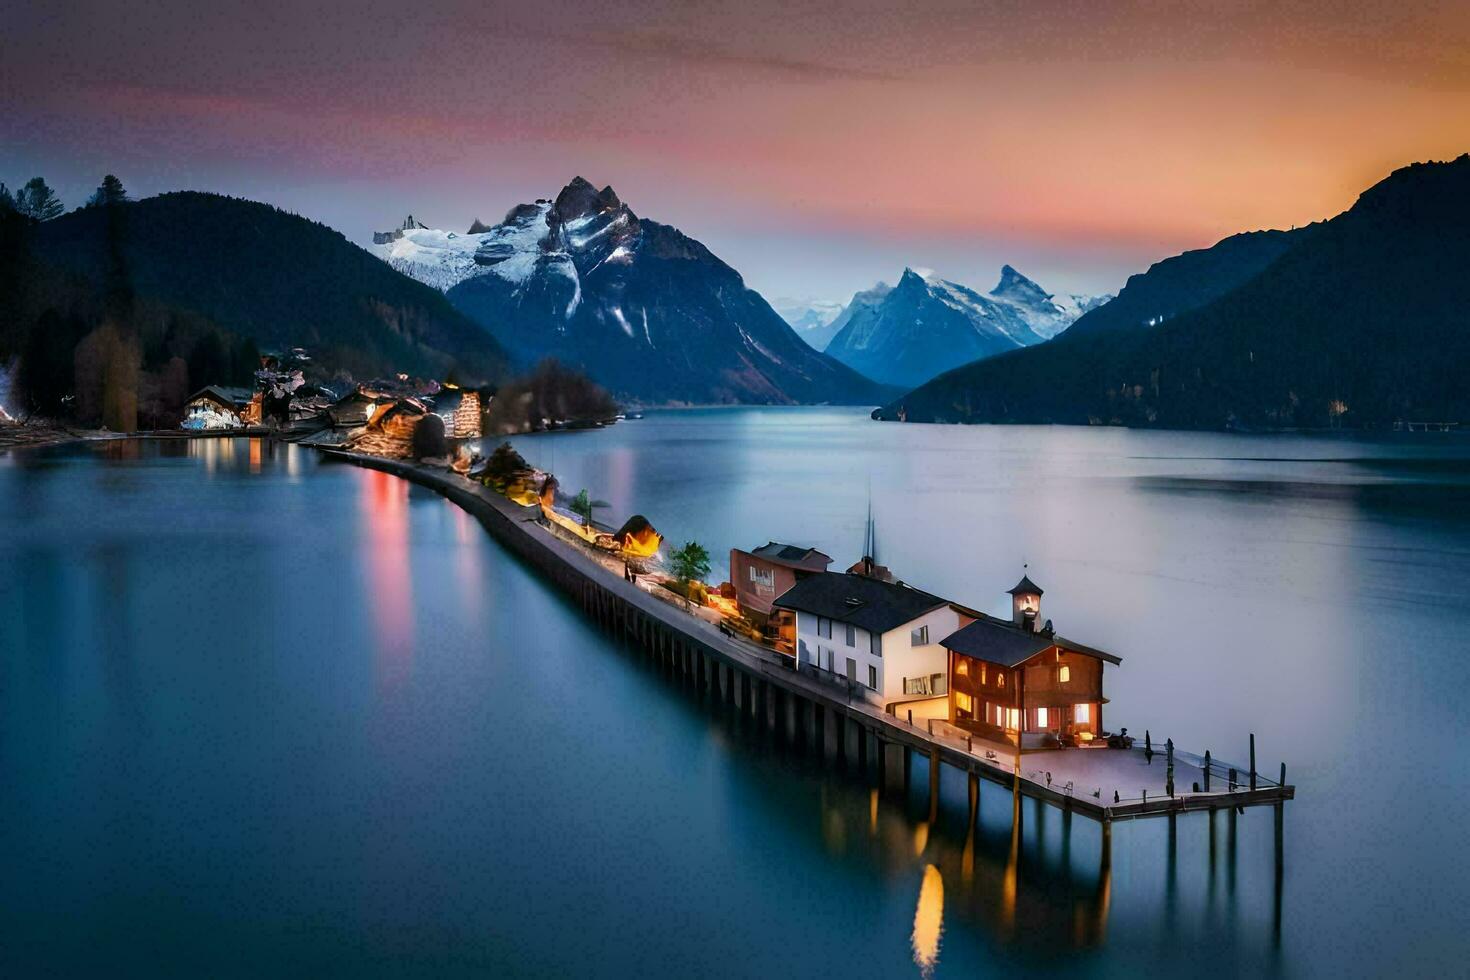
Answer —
254 455
929 921
384 509
921 838
469 576
873 811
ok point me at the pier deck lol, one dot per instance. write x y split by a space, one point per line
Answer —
751 675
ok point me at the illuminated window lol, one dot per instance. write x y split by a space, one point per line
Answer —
1013 719
1000 680
1064 673
1082 713
962 667
963 702
982 673
1040 717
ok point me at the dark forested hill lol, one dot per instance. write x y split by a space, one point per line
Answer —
280 279
1361 320
1187 281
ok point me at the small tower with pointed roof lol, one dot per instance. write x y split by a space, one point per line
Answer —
1026 603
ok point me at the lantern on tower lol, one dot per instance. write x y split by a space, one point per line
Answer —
1026 604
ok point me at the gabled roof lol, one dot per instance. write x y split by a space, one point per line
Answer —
1026 587
218 395
867 603
996 642
999 642
792 555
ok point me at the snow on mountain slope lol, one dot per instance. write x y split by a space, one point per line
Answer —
927 325
1046 314
437 258
640 306
812 319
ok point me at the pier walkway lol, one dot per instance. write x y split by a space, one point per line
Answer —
762 682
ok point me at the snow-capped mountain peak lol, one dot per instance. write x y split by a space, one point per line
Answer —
927 324
639 305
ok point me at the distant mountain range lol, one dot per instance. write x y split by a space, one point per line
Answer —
926 325
205 262
641 307
1361 320
813 320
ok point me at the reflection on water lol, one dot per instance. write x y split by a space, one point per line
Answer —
928 921
388 585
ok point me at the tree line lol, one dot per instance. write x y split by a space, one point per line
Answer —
36 200
95 353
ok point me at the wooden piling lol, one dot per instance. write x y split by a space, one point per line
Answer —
933 785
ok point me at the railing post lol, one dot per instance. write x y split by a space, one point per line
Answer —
1253 762
1207 770
1169 771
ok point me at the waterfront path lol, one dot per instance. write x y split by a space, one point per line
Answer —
1095 774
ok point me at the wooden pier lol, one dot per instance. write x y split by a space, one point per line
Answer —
764 683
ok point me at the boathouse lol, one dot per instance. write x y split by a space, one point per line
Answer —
881 637
1019 678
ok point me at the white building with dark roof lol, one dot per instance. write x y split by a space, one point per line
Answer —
882 637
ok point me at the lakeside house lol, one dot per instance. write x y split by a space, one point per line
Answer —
216 407
881 636
1018 679
759 576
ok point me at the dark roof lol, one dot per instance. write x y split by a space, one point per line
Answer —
218 395
999 642
1026 587
865 602
790 554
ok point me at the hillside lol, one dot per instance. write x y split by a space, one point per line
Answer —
1361 321
258 272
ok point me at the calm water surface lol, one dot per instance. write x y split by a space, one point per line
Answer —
261 713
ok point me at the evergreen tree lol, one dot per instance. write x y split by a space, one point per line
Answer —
209 361
110 192
690 564
38 200
7 200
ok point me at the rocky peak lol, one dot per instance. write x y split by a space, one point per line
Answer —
578 199
1017 288
477 227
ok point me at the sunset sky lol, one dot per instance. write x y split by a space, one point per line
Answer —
815 146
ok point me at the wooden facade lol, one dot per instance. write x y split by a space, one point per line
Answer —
1057 691
1018 678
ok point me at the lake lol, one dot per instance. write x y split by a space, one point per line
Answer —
263 713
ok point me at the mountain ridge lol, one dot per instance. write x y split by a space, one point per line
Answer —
1361 321
642 307
926 325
